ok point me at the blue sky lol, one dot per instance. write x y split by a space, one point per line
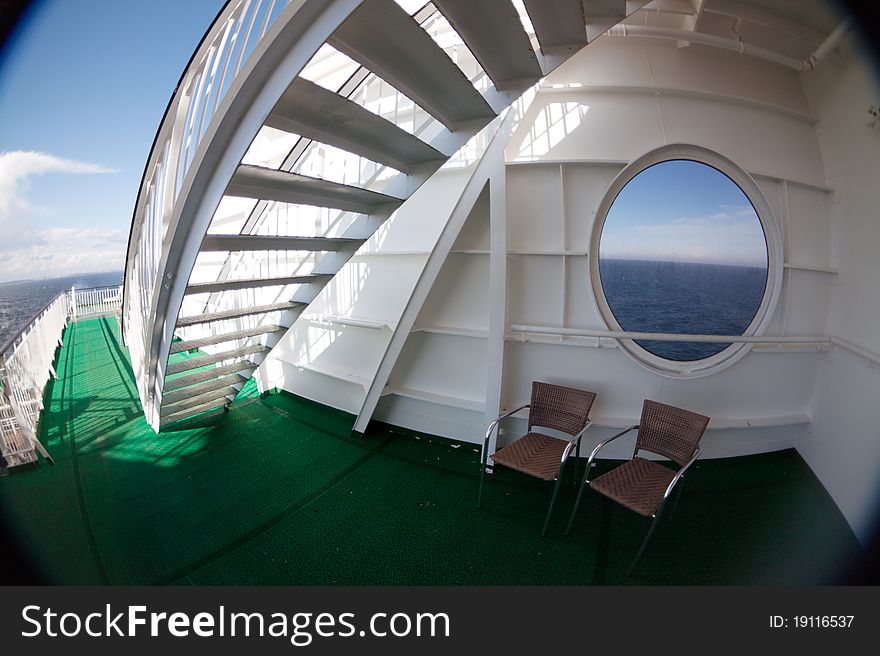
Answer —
83 86
683 211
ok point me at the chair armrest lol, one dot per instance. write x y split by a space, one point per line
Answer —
495 423
602 445
681 472
574 440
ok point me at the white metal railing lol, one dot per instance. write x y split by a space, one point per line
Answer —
617 335
236 32
94 302
26 364
315 159
238 40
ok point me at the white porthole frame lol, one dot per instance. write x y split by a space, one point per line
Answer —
775 260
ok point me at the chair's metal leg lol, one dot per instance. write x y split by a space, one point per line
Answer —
552 501
646 540
577 459
482 474
577 502
677 495
642 548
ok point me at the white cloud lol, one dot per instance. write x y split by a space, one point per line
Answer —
27 251
730 213
733 236
17 166
62 251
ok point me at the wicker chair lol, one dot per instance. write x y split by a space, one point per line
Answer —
642 485
552 406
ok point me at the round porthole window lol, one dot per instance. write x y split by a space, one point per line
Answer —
685 250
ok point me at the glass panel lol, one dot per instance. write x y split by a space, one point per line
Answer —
683 251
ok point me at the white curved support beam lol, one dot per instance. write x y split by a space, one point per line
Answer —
294 38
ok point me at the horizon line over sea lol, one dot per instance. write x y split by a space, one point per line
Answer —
608 258
20 300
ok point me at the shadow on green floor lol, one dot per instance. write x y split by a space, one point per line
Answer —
276 491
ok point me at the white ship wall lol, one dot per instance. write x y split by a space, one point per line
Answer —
612 106
333 350
612 103
843 445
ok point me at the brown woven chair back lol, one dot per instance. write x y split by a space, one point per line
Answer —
669 431
561 408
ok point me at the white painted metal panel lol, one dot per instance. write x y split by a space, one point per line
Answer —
810 232
584 186
744 77
756 139
534 206
415 227
581 308
333 391
431 418
445 365
586 125
373 288
535 290
460 295
843 448
808 302
474 235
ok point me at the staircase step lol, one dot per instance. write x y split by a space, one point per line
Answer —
275 243
218 396
235 313
214 358
192 412
190 344
602 15
312 111
180 382
493 31
407 57
228 285
558 24
602 9
263 183
171 397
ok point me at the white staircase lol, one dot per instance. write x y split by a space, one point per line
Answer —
217 269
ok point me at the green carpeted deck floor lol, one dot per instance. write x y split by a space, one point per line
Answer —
277 492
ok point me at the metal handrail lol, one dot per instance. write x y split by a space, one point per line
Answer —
617 335
243 59
356 83
201 101
26 365
225 49
9 343
159 133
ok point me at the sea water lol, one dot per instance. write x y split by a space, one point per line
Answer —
644 296
22 299
684 298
